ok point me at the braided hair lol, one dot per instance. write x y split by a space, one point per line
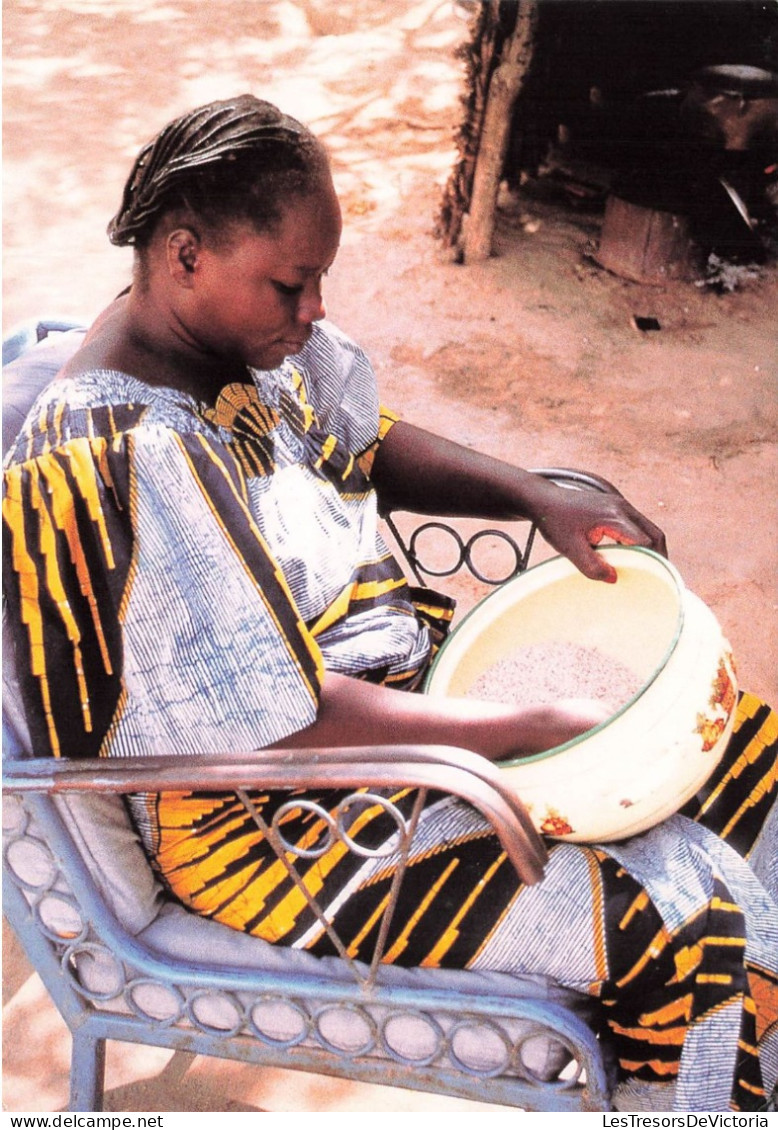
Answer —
238 159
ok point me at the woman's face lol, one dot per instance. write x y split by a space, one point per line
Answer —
255 298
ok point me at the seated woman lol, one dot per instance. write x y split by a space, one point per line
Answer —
193 564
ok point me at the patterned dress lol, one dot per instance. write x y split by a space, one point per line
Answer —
179 577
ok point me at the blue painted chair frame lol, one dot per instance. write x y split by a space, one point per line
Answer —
95 1015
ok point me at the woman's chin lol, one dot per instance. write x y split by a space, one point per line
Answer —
271 356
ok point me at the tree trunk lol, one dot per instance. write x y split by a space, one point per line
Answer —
479 54
504 89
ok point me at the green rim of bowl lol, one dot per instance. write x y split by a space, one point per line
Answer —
609 549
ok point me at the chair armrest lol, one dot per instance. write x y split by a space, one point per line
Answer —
443 768
576 480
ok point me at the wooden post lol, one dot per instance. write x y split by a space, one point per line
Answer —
504 89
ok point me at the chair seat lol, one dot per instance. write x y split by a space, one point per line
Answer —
181 978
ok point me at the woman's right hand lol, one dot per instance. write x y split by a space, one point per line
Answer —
353 712
545 727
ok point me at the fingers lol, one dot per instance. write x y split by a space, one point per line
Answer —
599 532
658 541
591 563
645 532
587 518
631 529
580 715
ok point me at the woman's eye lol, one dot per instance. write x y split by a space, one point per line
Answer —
284 288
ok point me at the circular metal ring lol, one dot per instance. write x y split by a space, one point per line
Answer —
27 840
431 1024
500 535
67 900
161 1021
70 969
215 1029
388 847
15 816
355 1010
317 810
539 1031
274 1041
471 1069
454 536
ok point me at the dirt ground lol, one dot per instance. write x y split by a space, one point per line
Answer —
531 356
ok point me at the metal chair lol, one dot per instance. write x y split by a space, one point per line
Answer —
123 961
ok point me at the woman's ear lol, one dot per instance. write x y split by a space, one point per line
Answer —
183 255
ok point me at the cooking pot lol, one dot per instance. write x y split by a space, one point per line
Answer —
733 106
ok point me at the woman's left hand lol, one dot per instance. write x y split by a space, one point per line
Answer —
574 521
426 474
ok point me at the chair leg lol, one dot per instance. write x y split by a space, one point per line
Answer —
87 1072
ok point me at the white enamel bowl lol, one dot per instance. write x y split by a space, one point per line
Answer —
653 755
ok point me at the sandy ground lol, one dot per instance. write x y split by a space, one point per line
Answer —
531 356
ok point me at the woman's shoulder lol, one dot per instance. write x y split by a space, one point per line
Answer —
336 370
101 404
329 347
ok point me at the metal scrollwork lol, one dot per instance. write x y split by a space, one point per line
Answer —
394 843
324 844
112 985
465 552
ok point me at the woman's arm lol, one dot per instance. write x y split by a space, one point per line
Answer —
426 474
353 712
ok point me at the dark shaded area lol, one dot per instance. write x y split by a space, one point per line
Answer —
596 61
658 101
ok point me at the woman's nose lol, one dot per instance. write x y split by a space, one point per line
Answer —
311 305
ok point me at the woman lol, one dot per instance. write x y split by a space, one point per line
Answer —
193 564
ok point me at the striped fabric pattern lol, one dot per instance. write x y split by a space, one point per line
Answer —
178 576
177 580
673 932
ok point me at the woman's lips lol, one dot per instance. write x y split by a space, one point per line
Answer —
294 345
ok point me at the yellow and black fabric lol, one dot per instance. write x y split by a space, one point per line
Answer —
671 932
177 577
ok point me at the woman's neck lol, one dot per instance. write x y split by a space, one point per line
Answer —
134 336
